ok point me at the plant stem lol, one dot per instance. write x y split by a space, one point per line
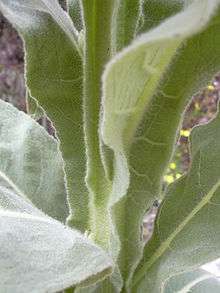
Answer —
97 20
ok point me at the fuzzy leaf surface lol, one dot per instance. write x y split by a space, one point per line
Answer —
25 14
39 254
74 10
12 201
155 11
33 108
186 233
192 68
132 77
127 16
54 79
30 159
198 281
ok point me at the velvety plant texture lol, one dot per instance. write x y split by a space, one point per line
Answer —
114 77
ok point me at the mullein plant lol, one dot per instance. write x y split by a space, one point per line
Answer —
114 77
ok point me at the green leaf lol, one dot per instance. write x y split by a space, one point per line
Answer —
152 146
43 255
74 10
11 200
185 235
39 254
31 161
100 287
33 108
155 11
198 281
131 79
25 15
54 78
127 16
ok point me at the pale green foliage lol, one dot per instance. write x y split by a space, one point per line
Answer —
186 233
25 14
27 152
39 254
74 11
194 281
116 99
131 79
61 98
157 133
33 108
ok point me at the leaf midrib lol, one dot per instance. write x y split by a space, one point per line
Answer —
166 244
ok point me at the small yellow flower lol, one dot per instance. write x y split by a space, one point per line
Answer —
210 87
184 133
173 166
169 178
178 175
197 107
